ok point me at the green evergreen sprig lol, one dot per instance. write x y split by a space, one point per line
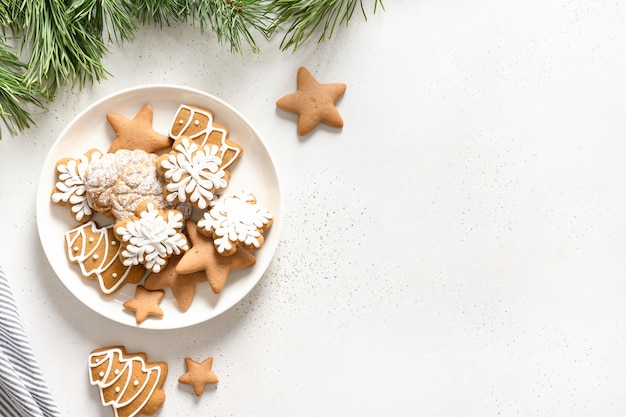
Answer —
48 44
304 18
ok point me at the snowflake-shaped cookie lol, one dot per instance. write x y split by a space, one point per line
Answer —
236 221
192 172
70 189
151 236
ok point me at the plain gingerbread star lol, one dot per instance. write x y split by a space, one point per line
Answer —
145 303
202 256
137 133
198 375
314 103
183 286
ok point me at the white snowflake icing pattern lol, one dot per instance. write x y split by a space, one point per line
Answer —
193 173
70 187
152 238
236 219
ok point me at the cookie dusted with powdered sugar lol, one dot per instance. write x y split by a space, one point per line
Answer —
117 182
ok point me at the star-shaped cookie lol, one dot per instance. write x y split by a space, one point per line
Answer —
145 303
183 286
202 256
314 103
137 133
198 375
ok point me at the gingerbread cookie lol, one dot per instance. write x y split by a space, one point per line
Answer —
197 124
96 250
117 182
314 103
145 304
198 375
192 173
204 257
137 133
70 189
128 382
236 221
151 236
183 286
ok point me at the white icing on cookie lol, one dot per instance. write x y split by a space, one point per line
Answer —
120 380
235 219
203 135
70 187
152 238
193 173
81 253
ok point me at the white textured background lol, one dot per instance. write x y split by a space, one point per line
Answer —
456 250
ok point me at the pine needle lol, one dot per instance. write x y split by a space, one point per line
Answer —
232 21
14 94
304 18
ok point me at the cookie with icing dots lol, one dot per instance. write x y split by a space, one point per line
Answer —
127 382
198 125
97 252
236 221
151 236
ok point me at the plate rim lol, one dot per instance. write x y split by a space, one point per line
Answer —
45 177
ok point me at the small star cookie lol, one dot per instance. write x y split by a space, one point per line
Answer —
183 286
198 375
145 304
202 256
137 133
314 103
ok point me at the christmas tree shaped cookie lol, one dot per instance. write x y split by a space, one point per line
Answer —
197 124
127 382
96 251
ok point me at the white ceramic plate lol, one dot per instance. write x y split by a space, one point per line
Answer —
255 171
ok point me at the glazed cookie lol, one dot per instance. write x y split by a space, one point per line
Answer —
192 173
314 103
128 382
137 133
236 221
117 182
151 236
197 124
198 375
96 250
70 189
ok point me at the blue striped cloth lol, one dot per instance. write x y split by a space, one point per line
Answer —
23 391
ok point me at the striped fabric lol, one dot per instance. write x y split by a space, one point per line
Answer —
23 391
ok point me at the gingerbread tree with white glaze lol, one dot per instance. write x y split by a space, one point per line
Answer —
128 382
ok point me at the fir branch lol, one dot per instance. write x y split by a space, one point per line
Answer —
159 11
233 20
14 93
304 18
108 17
64 50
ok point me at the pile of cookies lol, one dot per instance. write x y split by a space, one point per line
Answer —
169 222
